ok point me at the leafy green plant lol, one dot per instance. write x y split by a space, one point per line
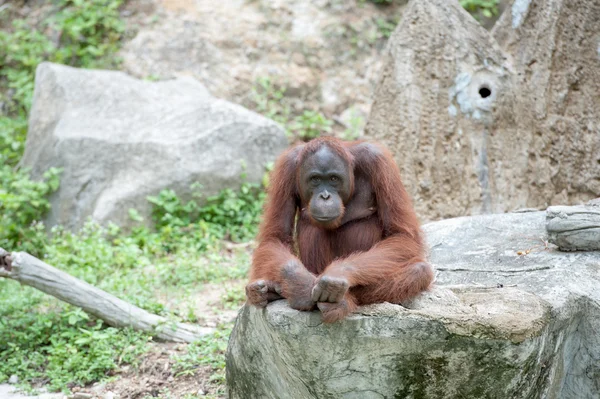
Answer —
44 340
94 253
386 26
23 203
12 139
89 30
20 53
269 100
488 8
170 210
230 214
234 297
62 347
310 124
237 213
207 351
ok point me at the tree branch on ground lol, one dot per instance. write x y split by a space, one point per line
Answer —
28 270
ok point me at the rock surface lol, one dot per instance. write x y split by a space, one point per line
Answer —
498 325
11 392
488 123
323 54
119 140
574 228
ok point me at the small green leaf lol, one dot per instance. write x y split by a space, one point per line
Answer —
135 215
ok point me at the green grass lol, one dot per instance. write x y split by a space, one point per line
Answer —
208 351
90 32
310 124
45 341
42 339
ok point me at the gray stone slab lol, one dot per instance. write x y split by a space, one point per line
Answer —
510 317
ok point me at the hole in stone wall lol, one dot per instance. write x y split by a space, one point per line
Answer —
485 91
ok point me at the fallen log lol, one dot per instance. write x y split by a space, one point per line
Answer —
28 270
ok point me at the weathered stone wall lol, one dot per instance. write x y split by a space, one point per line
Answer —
484 122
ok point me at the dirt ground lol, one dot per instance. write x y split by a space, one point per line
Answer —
155 378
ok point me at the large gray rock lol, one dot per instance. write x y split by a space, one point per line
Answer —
120 139
574 228
488 123
498 325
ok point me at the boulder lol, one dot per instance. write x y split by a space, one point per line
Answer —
120 139
574 228
485 122
510 317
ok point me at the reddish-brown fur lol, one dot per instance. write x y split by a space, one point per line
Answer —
374 254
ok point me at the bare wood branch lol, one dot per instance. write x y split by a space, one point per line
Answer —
28 270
